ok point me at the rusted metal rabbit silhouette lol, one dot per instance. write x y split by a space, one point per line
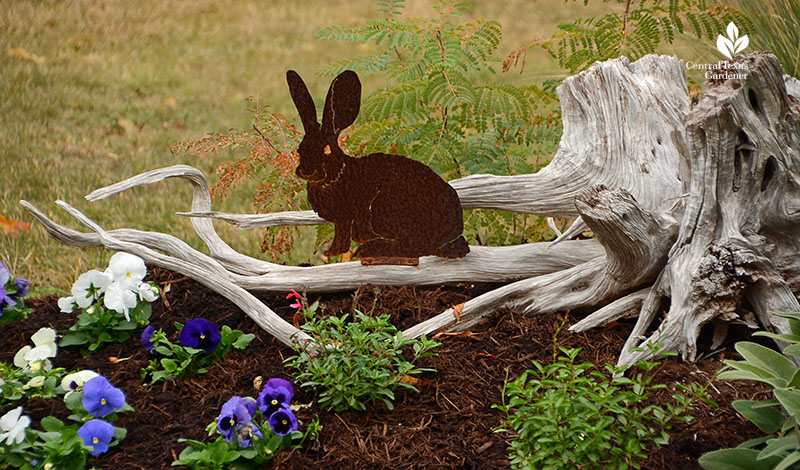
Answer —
397 208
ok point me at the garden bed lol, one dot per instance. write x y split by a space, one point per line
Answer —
448 425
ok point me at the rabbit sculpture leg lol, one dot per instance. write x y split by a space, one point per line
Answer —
397 208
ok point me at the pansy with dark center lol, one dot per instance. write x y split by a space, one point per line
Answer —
283 421
100 398
147 336
97 434
200 334
236 413
276 393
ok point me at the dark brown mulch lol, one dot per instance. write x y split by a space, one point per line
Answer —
448 425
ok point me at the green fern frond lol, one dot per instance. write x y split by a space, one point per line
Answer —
404 101
391 7
365 66
448 90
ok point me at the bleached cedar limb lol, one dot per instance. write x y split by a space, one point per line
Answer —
636 242
740 233
203 269
201 202
483 264
624 307
252 221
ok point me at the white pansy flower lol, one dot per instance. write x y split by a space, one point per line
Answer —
46 337
39 353
35 382
147 292
13 426
127 268
74 382
66 304
120 298
19 357
89 286
31 359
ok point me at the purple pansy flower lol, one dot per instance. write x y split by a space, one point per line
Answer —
5 299
97 434
4 274
275 394
21 286
100 398
147 336
236 413
283 421
200 334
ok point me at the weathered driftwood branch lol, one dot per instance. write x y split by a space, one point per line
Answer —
636 243
699 219
483 264
200 267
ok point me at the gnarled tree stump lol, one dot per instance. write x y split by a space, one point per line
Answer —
695 208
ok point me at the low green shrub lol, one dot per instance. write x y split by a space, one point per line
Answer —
567 415
355 363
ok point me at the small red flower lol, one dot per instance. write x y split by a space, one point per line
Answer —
375 354
293 293
386 355
297 304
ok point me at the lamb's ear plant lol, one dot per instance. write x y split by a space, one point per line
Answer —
356 363
566 415
777 417
202 345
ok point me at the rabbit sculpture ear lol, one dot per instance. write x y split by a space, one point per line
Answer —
303 102
342 104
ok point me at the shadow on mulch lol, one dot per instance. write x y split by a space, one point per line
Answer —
448 425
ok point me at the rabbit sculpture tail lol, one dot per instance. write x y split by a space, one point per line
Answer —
397 208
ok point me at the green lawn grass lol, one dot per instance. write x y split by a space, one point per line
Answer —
92 92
